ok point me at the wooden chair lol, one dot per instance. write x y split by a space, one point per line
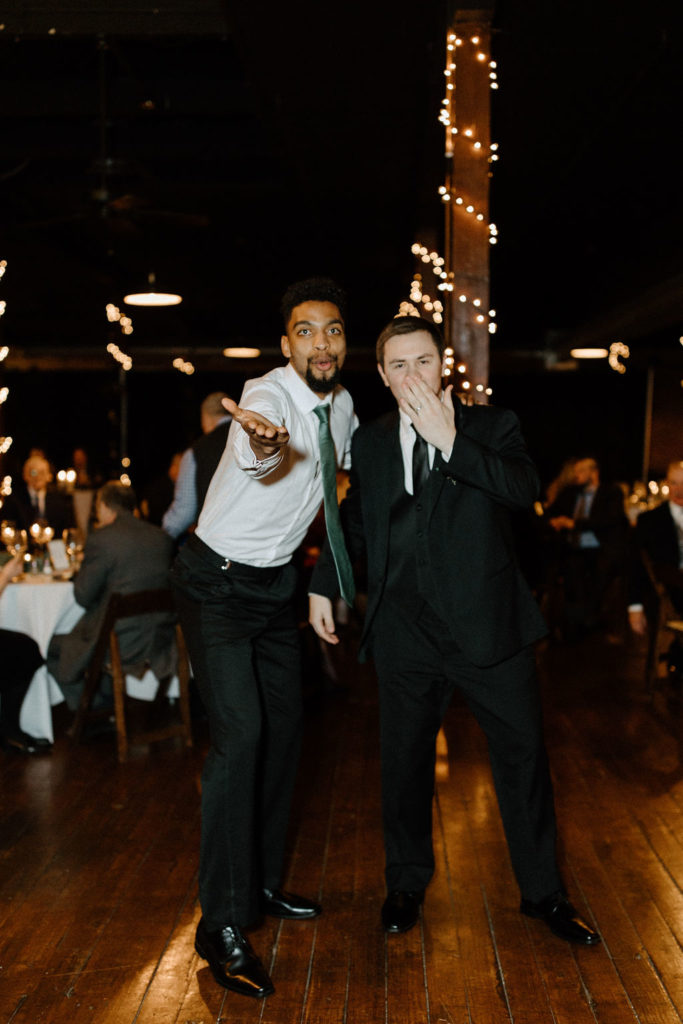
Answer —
664 626
124 606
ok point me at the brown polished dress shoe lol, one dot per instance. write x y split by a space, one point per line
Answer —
562 919
232 961
401 910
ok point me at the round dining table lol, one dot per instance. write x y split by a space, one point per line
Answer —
40 605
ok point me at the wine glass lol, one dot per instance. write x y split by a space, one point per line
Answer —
8 531
72 542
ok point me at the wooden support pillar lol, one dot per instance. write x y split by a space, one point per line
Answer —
466 118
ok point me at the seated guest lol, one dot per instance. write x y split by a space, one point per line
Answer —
34 499
20 657
122 556
589 521
659 535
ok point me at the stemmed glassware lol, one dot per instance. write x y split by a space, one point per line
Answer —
41 533
73 544
15 541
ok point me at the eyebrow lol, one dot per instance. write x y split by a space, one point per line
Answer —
310 323
402 359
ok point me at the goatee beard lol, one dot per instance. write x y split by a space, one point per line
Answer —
322 385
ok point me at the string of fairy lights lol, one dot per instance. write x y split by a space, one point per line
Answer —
421 301
5 442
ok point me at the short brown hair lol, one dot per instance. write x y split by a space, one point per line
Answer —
401 325
117 496
213 404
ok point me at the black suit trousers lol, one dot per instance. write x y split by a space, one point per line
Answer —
244 649
419 666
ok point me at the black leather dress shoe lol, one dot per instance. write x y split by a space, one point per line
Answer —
562 919
232 961
21 743
401 910
277 903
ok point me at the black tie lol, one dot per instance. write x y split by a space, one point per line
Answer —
420 463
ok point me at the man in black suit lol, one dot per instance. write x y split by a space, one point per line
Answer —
431 489
33 499
659 535
592 530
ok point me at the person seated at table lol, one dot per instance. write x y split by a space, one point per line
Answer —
34 499
20 658
659 537
123 555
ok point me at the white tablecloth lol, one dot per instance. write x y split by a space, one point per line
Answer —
40 608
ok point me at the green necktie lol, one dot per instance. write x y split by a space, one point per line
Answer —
335 534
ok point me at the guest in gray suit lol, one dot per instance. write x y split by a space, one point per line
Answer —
124 555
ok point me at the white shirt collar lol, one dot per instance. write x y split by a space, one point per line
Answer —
305 399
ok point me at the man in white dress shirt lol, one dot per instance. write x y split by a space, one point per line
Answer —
234 586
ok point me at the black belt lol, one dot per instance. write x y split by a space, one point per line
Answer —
197 545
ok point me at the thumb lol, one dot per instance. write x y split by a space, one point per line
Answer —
229 405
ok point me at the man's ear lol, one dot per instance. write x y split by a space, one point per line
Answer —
284 345
380 370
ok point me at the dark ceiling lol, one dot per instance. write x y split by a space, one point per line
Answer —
232 150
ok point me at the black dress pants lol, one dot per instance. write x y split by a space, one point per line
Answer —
419 666
243 645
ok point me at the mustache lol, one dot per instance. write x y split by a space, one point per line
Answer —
313 361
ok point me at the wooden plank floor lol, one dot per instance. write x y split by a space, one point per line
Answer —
98 874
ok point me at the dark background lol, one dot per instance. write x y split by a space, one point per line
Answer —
233 150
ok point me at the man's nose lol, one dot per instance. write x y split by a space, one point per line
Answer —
321 340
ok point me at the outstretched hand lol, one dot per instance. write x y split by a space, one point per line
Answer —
432 415
264 437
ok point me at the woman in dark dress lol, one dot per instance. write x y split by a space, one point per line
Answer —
19 658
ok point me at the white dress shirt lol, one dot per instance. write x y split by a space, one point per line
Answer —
407 438
258 512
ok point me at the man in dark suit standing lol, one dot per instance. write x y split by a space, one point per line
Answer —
431 489
659 535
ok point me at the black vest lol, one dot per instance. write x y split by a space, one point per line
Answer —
207 454
408 565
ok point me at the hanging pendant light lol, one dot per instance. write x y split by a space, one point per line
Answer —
152 297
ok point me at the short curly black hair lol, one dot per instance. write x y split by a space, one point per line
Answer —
313 289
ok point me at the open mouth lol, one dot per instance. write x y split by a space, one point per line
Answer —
325 364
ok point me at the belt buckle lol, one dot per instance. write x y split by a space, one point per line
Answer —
226 565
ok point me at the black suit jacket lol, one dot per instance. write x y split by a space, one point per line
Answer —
474 569
657 536
59 509
606 519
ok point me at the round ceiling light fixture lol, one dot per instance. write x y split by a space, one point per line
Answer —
589 353
152 297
